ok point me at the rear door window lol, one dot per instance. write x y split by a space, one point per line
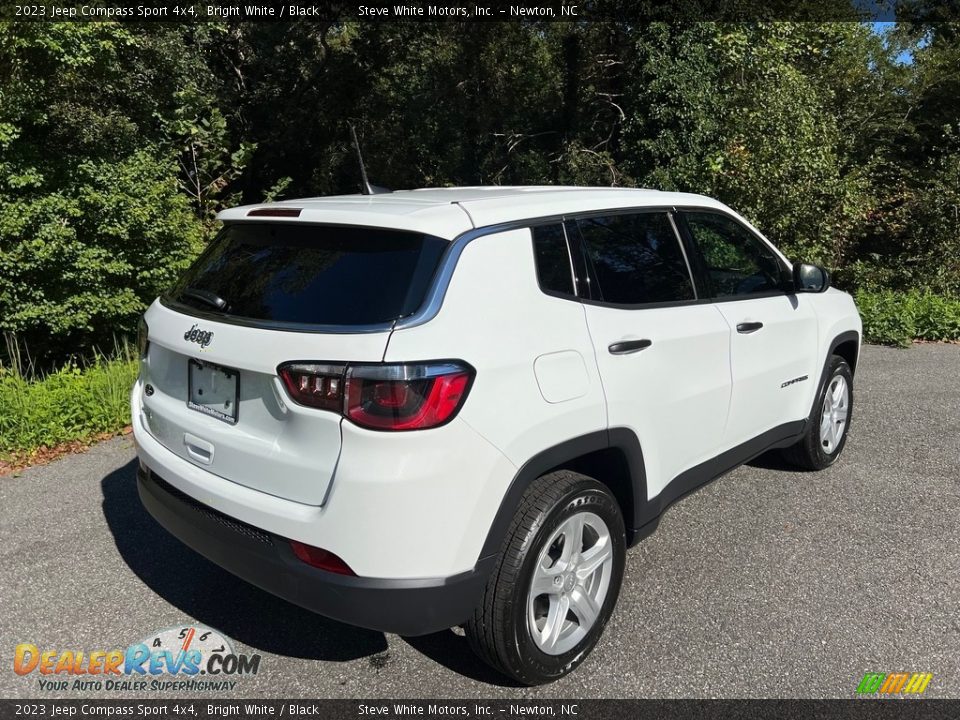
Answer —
552 258
311 274
636 259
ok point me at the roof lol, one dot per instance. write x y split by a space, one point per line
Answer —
448 212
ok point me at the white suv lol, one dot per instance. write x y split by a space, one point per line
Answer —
430 408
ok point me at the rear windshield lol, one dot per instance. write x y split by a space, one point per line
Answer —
321 275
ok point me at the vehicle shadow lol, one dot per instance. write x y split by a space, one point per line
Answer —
451 650
214 597
773 460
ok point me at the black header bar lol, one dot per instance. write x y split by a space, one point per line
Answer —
201 709
632 11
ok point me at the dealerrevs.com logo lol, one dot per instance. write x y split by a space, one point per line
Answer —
181 658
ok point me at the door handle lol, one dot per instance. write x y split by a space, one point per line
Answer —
626 347
745 328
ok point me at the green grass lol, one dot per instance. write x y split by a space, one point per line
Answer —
76 402
898 318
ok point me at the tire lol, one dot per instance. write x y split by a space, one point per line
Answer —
509 629
819 449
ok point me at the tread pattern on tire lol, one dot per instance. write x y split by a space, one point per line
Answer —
485 636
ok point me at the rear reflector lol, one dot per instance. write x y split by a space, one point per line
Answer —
275 212
320 558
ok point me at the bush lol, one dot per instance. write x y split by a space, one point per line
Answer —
936 317
94 223
81 263
73 403
897 318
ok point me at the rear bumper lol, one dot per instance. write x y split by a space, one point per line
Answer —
405 607
401 506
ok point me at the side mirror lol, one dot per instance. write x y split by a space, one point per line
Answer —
810 278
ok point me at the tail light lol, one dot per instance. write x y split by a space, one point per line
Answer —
315 385
413 396
143 332
405 397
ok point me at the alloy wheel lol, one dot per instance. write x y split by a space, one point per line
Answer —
571 579
833 415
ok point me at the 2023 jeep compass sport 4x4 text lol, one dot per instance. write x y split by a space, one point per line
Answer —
431 408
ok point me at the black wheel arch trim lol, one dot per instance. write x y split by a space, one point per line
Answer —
841 339
644 515
553 458
844 337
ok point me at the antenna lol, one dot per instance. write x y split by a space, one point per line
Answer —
365 187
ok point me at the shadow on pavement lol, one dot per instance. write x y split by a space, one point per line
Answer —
773 460
213 596
452 651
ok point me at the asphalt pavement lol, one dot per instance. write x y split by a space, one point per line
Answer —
767 583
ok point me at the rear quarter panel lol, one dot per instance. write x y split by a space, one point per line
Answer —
537 383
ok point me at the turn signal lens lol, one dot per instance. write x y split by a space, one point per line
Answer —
143 333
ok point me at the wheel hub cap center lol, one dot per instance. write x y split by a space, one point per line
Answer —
569 582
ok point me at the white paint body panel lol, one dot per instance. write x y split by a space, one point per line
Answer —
403 505
674 394
836 314
277 446
784 349
420 504
496 318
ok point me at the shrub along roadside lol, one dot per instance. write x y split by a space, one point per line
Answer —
74 403
897 318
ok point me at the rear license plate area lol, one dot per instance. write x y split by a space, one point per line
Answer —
213 390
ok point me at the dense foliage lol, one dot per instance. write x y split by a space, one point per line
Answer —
92 220
72 403
891 317
118 143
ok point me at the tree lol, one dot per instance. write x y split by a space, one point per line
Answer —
913 240
92 221
749 114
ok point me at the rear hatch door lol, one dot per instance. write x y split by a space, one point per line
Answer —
261 295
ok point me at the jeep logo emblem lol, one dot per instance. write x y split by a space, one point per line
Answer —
201 337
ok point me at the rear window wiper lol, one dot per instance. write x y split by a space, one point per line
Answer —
205 296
